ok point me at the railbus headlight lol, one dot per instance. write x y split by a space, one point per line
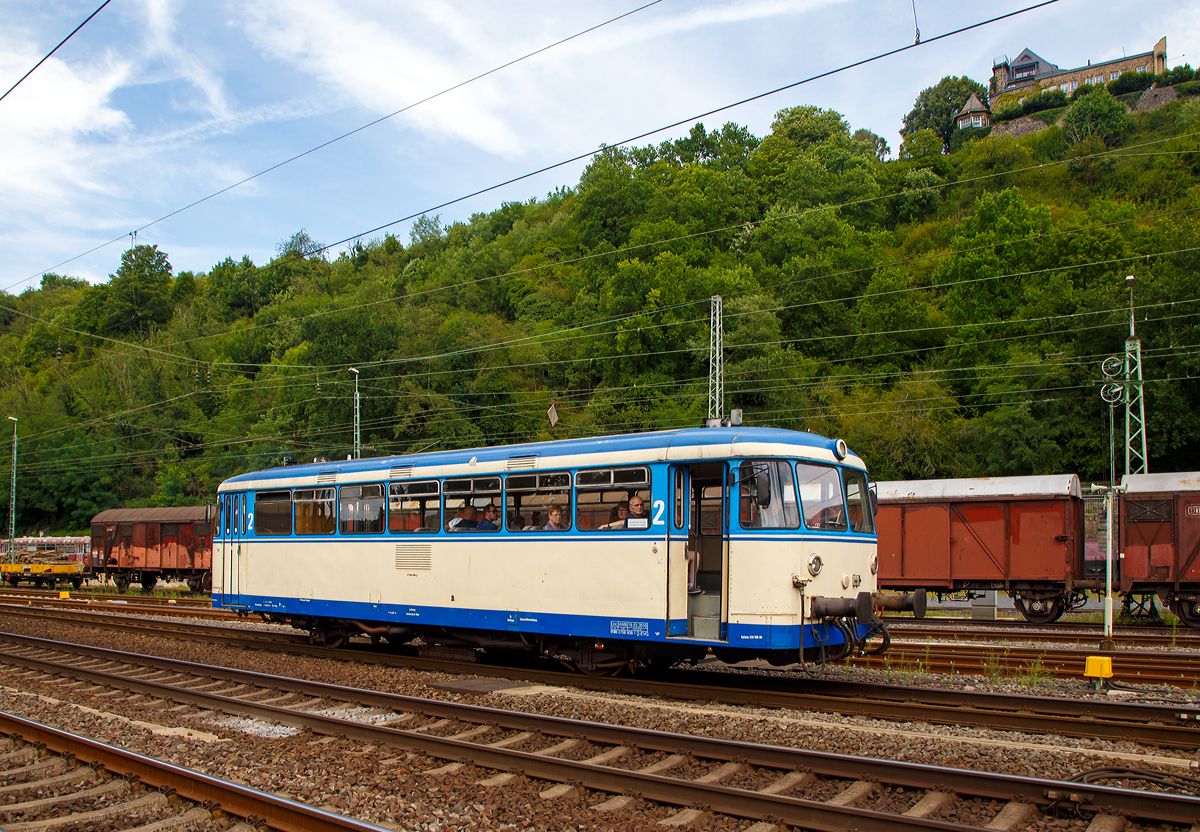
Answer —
814 565
845 580
874 564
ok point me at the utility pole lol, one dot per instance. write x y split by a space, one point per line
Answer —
1136 461
716 365
357 417
12 498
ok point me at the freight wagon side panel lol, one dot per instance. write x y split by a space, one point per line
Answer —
1040 540
153 556
978 550
1188 524
1149 541
914 545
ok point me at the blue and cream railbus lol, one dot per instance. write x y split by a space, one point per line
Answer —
752 542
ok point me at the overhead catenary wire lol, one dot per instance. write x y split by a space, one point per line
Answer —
55 49
345 135
631 139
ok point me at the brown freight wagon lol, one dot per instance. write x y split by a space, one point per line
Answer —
1160 540
1023 535
146 544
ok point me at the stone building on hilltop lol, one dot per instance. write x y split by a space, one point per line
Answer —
1028 74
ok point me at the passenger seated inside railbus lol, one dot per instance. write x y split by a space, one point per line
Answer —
487 523
467 520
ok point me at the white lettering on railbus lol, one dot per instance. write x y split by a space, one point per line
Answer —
629 628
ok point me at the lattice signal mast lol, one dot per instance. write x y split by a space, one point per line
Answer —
1136 460
716 363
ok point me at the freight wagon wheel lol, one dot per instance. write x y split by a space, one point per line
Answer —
1040 610
77 582
13 580
1185 611
148 582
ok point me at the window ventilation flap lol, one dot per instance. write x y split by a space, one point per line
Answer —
400 472
326 476
521 463
414 556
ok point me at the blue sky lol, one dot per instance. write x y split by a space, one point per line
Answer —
155 104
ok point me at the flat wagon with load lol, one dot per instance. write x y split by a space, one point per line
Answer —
44 561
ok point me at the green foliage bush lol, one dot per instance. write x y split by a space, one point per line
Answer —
1188 88
1131 82
1097 115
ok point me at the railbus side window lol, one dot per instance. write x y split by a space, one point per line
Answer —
858 506
821 497
316 511
602 498
465 503
272 512
680 498
533 501
360 509
414 507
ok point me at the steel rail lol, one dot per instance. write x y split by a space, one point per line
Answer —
737 802
1169 668
279 813
1153 724
964 630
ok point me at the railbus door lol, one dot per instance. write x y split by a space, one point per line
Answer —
680 550
699 527
235 527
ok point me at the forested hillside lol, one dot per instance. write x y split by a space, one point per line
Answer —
946 314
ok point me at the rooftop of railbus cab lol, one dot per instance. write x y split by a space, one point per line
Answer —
567 447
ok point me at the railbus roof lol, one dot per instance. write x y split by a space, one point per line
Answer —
627 449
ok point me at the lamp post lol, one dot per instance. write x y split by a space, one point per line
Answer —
12 497
1111 392
357 417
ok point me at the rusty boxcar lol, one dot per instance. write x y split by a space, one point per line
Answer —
1023 535
146 544
1160 538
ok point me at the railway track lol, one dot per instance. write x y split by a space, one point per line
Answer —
1174 725
698 776
968 629
51 778
1028 664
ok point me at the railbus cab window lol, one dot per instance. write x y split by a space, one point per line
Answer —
603 497
767 495
273 512
360 509
465 502
414 507
821 497
538 502
315 511
858 505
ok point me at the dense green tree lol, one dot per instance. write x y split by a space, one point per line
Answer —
138 295
936 107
